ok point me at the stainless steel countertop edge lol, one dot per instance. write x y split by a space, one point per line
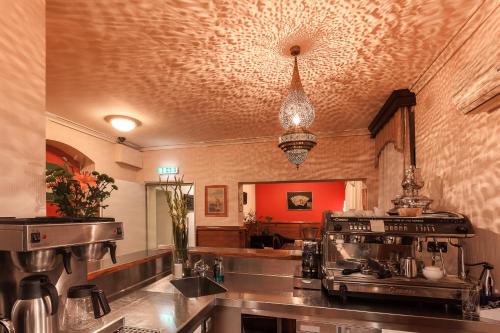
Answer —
192 323
372 319
287 305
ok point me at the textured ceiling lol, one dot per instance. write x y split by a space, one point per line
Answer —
194 71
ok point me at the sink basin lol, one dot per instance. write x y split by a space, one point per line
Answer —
198 286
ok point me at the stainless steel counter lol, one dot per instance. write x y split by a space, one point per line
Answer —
165 310
160 306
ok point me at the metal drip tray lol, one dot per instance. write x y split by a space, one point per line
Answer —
129 329
448 288
450 282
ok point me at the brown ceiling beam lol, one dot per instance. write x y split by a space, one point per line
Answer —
398 98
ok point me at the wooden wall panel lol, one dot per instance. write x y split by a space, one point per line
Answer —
228 236
291 230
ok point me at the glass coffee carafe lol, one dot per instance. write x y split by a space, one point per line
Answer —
85 305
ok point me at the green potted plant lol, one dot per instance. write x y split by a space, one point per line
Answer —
78 194
178 208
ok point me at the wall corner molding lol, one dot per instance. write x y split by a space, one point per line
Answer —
254 140
86 130
468 29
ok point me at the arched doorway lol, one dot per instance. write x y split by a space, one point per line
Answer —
58 154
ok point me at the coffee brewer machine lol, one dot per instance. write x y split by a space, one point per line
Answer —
37 263
310 253
385 256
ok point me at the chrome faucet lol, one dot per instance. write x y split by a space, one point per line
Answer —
200 268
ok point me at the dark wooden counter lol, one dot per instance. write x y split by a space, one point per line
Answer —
221 236
105 266
292 229
239 236
249 253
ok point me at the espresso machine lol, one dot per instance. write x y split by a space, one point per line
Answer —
388 256
40 259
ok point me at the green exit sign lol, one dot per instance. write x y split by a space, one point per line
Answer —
167 170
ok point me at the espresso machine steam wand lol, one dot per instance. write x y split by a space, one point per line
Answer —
461 259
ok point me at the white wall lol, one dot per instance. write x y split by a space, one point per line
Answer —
22 108
250 206
128 205
159 222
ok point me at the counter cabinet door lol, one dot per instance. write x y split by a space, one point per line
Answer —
314 327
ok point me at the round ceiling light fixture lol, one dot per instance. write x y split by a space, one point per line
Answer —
122 123
296 115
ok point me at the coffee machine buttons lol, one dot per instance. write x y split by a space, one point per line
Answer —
35 237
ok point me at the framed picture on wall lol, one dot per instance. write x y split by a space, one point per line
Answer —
216 200
299 200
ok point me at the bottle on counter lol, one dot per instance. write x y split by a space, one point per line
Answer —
216 263
219 271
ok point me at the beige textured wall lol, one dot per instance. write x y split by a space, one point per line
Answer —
22 108
460 154
390 175
333 158
98 150
128 204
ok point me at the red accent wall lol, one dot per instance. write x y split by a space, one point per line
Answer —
271 200
54 155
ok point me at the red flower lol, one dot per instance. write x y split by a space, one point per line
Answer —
85 180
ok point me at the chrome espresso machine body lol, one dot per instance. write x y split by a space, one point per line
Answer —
52 248
385 256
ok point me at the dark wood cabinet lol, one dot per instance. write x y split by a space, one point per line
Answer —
238 236
291 230
222 236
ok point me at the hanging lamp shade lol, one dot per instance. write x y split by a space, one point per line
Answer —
296 109
296 115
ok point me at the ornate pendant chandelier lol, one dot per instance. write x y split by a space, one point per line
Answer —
296 115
